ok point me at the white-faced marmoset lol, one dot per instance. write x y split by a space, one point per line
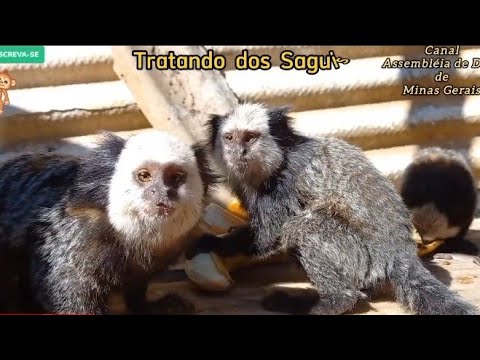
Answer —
72 229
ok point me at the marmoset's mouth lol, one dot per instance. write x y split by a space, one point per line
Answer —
242 162
160 210
165 210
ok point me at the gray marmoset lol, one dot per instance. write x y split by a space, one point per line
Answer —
73 229
439 189
325 203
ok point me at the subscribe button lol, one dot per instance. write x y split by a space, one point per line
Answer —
22 54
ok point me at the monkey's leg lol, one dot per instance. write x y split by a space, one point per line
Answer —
236 248
328 252
335 294
246 259
218 256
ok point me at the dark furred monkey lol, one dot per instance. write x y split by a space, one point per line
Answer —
324 202
439 189
72 229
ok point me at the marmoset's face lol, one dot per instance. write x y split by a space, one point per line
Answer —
431 224
241 149
156 179
162 187
245 146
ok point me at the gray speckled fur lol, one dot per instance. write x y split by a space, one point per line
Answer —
329 206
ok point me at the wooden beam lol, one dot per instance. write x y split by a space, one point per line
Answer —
178 100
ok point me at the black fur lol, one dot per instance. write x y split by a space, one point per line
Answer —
281 129
239 242
299 303
447 183
212 126
92 182
209 177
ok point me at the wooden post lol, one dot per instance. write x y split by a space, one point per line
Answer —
178 100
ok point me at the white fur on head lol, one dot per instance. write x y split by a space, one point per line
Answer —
265 157
247 116
125 207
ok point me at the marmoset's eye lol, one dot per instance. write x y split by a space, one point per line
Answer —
179 178
144 176
251 137
228 137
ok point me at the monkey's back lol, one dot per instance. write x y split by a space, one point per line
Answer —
337 176
29 185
